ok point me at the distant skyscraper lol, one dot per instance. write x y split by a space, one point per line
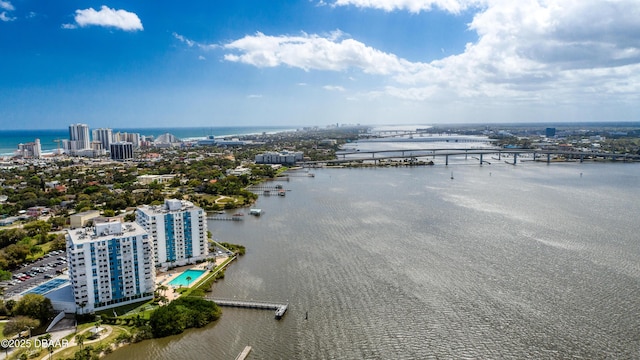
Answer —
30 150
79 137
133 138
550 132
110 265
105 136
121 151
178 230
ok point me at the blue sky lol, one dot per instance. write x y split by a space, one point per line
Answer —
221 63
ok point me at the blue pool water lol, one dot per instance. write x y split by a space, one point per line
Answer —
182 278
46 287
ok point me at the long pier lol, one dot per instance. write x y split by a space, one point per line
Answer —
225 218
243 355
279 308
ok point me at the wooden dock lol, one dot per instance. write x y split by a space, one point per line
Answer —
243 355
279 308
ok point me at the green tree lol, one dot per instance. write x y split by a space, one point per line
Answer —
38 227
130 217
35 306
18 324
80 340
16 254
5 275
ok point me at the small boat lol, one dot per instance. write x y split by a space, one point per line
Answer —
238 214
282 193
452 175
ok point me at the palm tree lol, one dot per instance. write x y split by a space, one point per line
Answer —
80 340
188 280
163 288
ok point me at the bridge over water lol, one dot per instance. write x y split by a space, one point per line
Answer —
537 154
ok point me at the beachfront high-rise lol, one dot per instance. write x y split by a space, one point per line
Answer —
104 136
110 265
79 137
30 150
178 230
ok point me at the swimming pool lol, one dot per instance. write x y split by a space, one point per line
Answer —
181 280
46 287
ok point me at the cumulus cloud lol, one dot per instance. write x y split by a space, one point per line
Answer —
254 96
5 17
313 52
107 17
6 5
530 50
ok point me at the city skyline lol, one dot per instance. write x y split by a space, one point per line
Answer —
318 62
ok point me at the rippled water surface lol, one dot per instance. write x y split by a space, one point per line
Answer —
528 261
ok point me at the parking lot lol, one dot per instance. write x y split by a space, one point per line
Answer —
36 273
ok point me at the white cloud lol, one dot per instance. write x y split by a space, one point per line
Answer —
333 88
414 6
535 51
107 17
200 57
69 26
313 52
5 17
192 43
6 5
184 40
254 96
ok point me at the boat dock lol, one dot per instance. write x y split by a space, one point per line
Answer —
225 218
279 308
243 355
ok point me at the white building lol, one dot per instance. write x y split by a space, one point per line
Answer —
284 157
110 265
79 137
30 150
104 136
178 230
133 138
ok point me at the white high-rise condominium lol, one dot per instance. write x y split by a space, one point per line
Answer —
110 265
178 230
79 136
104 136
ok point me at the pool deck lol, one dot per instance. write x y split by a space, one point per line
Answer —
166 277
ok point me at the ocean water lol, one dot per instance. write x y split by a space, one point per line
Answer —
9 139
532 261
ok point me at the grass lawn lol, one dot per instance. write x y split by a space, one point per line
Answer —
121 310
